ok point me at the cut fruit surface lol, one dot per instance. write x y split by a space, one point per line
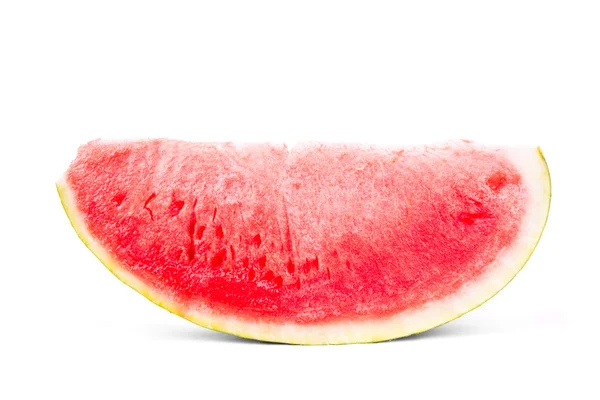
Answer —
316 244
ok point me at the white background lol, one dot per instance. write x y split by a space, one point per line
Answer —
511 72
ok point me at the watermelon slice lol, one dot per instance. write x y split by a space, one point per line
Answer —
315 244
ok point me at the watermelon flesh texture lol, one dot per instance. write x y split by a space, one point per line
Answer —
314 244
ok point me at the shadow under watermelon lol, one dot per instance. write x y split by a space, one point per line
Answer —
194 333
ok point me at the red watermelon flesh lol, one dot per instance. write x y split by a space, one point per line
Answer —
314 244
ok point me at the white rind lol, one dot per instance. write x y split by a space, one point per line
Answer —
536 178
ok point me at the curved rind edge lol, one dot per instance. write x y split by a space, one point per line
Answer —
403 324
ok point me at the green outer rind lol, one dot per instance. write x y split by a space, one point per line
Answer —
266 331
